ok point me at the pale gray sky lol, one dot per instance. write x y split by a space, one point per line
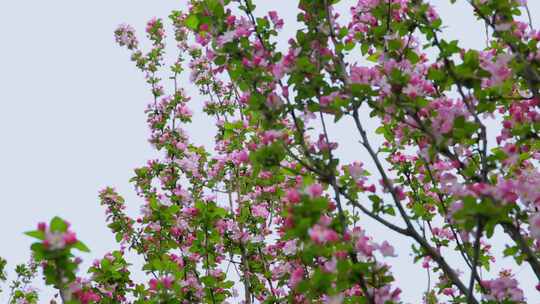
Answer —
72 121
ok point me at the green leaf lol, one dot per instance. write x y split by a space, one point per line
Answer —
40 235
81 246
192 22
374 57
38 250
58 225
394 45
220 60
436 74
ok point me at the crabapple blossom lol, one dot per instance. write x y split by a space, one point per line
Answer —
272 213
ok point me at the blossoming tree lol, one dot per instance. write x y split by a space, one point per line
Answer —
273 214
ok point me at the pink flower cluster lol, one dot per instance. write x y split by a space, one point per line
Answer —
57 240
80 290
125 36
445 112
503 288
497 66
321 233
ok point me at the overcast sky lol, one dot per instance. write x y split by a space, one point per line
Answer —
72 121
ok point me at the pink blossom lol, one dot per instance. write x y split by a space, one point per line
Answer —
125 36
153 283
335 299
167 281
41 226
496 65
70 238
534 225
278 23
270 136
226 38
57 240
243 28
327 100
446 111
274 102
356 170
260 211
204 27
296 277
364 75
363 244
503 288
240 157
384 295
371 188
293 196
432 14
527 185
289 248
331 265
386 249
230 20
449 292
320 234
314 190
86 296
505 191
278 70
